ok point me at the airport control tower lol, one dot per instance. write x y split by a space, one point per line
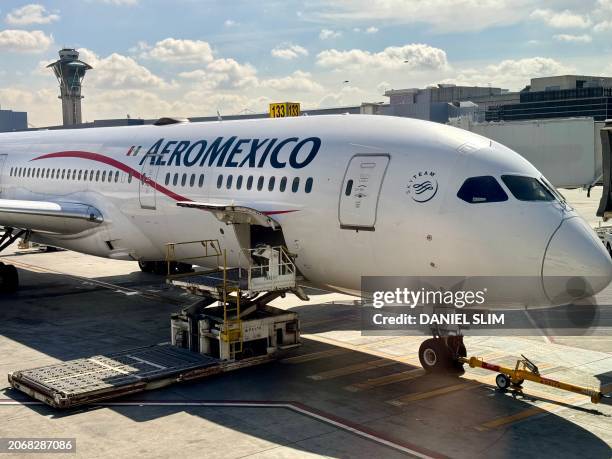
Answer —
70 72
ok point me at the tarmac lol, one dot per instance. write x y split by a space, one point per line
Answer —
341 394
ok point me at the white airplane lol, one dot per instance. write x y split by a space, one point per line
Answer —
349 195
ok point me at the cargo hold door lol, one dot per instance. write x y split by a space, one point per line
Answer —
360 191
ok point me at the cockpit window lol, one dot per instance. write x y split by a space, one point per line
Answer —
476 190
527 188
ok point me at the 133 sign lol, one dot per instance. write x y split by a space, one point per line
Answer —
284 109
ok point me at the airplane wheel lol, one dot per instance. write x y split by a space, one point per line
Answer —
434 355
9 279
146 266
502 381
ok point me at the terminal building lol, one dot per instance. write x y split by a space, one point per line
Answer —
13 121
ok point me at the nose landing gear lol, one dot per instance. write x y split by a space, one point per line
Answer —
442 353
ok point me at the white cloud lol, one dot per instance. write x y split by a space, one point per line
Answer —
510 74
297 82
327 34
24 41
223 74
117 71
412 56
371 29
565 19
180 51
229 23
289 52
382 87
120 2
31 14
442 15
573 38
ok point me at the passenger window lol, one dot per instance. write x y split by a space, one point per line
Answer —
103 176
97 175
63 174
74 174
37 172
91 174
260 181
249 184
167 182
183 179
295 185
308 186
271 183
130 178
116 176
477 190
192 180
283 184
52 173
80 175
230 178
219 181
201 181
239 182
175 180
527 188
110 176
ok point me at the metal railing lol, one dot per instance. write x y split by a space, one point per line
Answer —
211 248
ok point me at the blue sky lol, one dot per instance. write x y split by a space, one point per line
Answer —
186 57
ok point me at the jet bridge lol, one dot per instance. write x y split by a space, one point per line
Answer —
605 204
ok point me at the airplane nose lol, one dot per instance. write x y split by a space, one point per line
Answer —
576 263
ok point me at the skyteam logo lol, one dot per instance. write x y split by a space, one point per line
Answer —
422 186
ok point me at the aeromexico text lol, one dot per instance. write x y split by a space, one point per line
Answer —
234 152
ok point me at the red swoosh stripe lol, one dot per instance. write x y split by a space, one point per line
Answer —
127 169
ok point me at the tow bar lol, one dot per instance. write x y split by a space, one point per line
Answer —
525 369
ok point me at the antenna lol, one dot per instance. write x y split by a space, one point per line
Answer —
219 116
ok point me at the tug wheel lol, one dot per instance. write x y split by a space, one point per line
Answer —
502 381
434 355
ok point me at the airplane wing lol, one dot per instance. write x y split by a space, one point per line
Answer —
229 213
49 217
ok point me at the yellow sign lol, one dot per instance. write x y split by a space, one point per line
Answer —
284 109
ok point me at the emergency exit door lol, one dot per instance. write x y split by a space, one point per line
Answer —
147 184
360 191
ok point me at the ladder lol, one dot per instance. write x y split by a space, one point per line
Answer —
232 322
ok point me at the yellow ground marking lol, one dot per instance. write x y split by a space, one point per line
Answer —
351 369
433 393
386 380
314 356
544 409
361 348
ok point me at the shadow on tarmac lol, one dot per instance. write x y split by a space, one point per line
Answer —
66 318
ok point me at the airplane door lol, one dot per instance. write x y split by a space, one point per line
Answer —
360 191
146 186
2 163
